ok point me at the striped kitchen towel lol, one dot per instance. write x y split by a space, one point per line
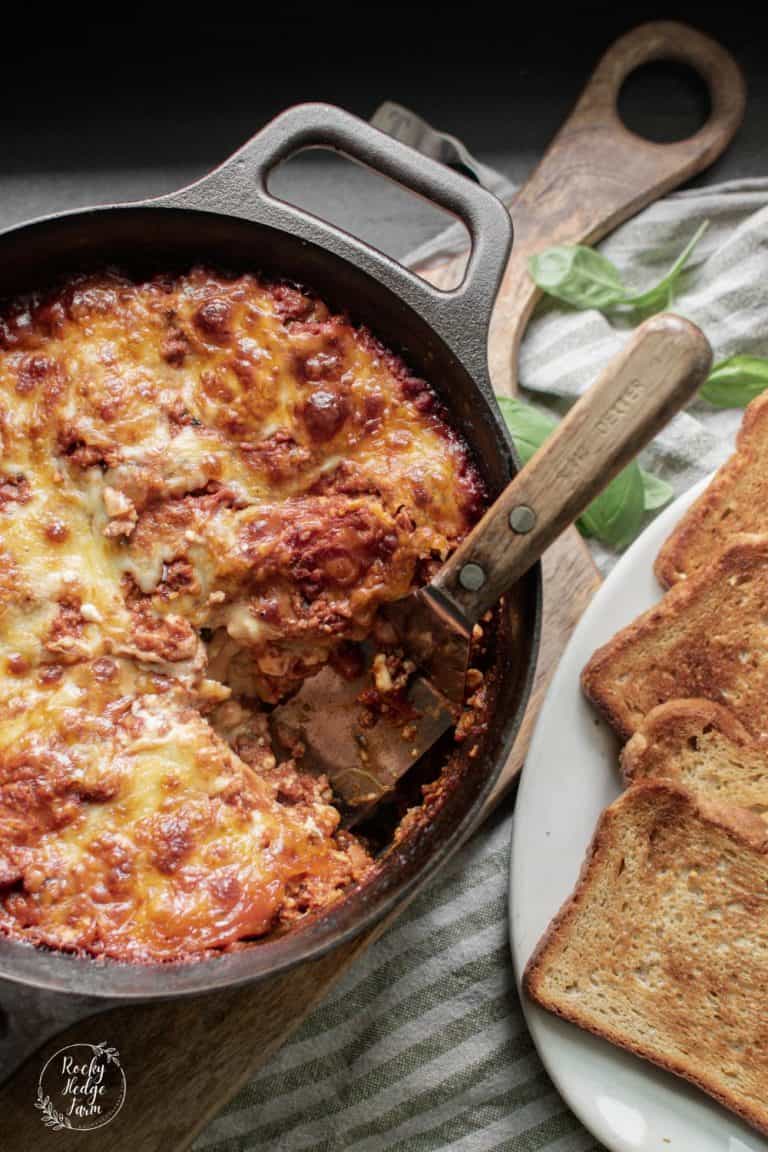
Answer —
423 1047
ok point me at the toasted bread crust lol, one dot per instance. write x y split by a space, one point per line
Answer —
710 524
741 826
682 647
701 746
752 1116
678 720
747 833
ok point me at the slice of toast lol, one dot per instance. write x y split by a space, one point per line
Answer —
707 638
735 502
702 746
663 946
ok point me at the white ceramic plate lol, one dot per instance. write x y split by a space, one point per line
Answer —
570 775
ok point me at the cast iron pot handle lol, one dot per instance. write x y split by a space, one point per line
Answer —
461 316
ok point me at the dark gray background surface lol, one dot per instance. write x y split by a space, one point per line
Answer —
120 109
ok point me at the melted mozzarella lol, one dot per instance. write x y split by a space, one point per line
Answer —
206 484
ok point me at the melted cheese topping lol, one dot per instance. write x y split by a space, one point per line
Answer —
206 486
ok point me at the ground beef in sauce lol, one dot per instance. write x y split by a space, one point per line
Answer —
211 485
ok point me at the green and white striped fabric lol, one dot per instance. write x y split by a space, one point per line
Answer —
423 1046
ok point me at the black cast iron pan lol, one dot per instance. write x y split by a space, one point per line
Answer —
230 219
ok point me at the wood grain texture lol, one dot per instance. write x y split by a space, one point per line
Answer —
658 370
184 1060
596 173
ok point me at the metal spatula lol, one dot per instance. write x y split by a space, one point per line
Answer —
660 368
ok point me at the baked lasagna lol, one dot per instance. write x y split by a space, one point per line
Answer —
209 486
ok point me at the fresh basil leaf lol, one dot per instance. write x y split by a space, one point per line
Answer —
578 276
734 382
616 515
528 426
584 278
661 295
656 492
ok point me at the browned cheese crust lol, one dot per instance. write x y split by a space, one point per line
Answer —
735 502
209 485
706 638
663 947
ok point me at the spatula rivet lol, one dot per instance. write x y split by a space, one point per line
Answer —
472 577
522 519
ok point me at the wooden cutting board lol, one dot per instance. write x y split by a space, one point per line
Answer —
184 1060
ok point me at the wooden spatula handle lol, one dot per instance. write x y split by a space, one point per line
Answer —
663 364
596 173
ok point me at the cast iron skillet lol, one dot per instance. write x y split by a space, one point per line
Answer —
229 219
